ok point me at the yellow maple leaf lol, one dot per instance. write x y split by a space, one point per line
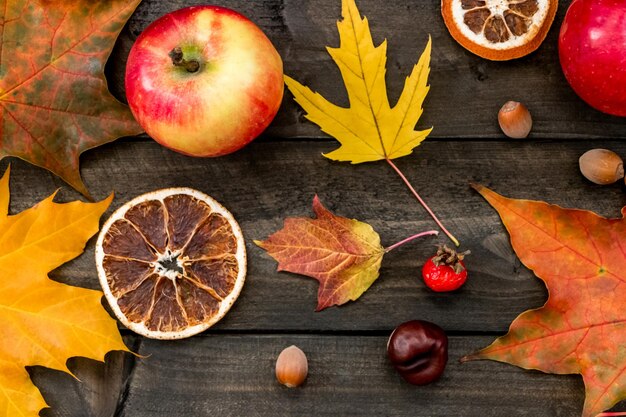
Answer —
44 322
370 129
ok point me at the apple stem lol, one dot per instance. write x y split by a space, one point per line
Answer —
178 59
422 202
410 238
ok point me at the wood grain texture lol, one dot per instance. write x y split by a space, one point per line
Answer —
233 375
466 91
266 182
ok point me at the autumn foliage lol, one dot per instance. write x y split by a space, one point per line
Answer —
581 257
45 322
55 102
343 254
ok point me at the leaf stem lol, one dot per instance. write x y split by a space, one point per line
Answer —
612 414
410 238
422 202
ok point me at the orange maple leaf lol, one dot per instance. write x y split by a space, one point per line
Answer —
581 257
45 322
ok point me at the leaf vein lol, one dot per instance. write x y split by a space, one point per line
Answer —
62 54
378 132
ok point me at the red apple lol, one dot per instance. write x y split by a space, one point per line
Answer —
204 80
592 49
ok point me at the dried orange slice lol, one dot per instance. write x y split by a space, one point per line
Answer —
171 263
499 30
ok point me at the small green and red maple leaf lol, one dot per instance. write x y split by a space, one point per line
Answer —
54 100
343 254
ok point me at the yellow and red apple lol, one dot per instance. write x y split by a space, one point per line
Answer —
204 80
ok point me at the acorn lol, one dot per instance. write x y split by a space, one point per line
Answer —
292 367
601 166
515 120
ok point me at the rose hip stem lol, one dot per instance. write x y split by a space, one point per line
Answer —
422 202
410 238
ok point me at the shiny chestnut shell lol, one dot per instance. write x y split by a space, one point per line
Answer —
419 351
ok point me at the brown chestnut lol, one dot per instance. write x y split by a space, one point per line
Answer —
419 351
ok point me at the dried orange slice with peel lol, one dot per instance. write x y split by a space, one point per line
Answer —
499 30
171 263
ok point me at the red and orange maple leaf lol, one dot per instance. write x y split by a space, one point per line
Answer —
581 329
343 254
54 99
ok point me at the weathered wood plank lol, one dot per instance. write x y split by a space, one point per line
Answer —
232 375
348 376
267 182
466 91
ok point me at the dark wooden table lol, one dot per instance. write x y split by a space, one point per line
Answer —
228 370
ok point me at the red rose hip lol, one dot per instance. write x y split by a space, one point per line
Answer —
445 271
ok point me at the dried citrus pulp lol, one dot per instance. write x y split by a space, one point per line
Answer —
171 262
499 29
